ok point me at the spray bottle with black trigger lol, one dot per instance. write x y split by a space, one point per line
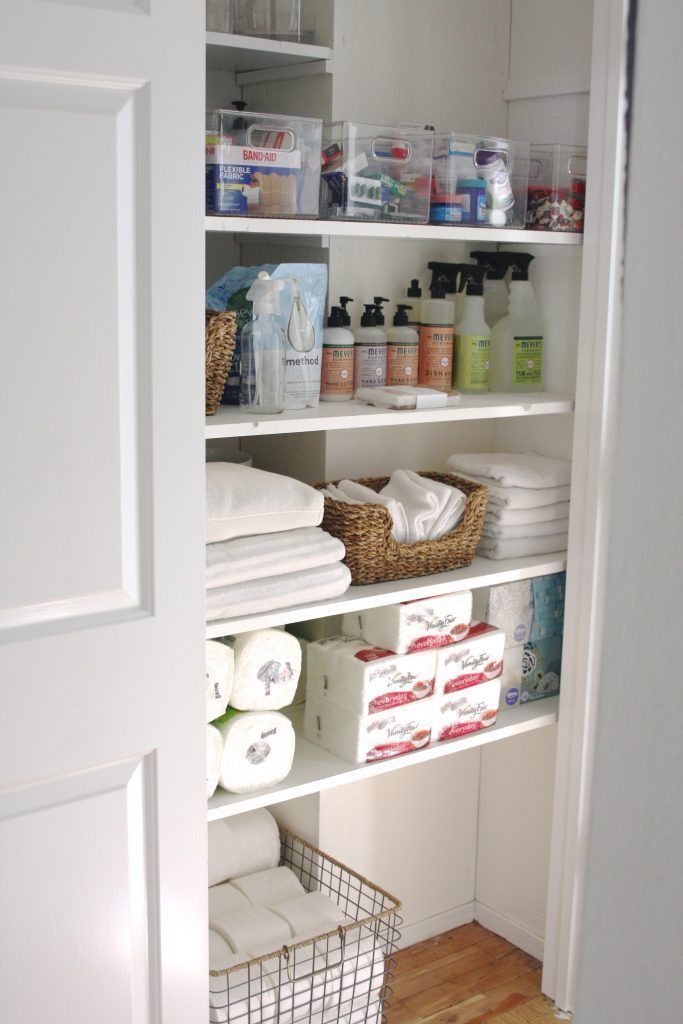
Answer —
516 361
472 335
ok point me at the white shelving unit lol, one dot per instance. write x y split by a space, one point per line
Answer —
315 770
252 58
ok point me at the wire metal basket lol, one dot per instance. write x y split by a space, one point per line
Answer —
343 975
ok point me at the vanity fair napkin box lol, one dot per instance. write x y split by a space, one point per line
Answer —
413 625
475 659
466 711
366 680
372 737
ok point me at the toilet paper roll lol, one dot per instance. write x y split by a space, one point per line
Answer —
311 914
361 976
242 995
220 954
243 844
214 759
258 749
245 928
220 664
225 897
264 888
312 994
267 670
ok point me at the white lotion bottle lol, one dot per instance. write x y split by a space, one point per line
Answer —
516 360
264 350
336 378
370 352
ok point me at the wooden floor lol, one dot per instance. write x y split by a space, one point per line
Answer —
468 976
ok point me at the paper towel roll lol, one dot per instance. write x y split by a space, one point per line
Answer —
258 749
220 663
225 897
274 885
267 669
243 844
214 759
244 928
311 914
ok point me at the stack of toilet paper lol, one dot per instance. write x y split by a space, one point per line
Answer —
531 615
249 679
254 914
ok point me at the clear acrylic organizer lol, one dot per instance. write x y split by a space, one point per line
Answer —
479 181
557 187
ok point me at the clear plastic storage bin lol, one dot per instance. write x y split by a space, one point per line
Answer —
271 19
376 172
480 182
262 165
557 188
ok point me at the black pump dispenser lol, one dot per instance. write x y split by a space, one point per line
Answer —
369 318
414 292
336 317
379 311
520 267
343 302
400 316
473 279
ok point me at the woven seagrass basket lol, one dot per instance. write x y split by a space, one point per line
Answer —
220 332
373 555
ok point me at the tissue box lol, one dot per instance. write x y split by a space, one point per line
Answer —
367 680
414 625
372 737
476 659
466 710
526 610
541 666
511 678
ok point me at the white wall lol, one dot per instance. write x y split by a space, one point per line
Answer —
632 929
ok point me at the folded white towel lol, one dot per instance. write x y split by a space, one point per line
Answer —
253 558
358 492
522 497
264 888
432 509
507 469
214 757
525 516
225 897
220 669
242 501
267 669
242 844
310 914
246 927
506 531
267 595
496 547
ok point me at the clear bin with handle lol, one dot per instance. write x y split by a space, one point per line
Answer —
376 172
479 181
557 187
262 165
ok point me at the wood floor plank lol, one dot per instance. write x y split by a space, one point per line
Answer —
441 945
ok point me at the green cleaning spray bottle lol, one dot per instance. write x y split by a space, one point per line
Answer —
516 361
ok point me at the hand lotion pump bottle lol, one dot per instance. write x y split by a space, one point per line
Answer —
370 352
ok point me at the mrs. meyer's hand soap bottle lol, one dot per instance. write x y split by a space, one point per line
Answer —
370 351
264 349
516 360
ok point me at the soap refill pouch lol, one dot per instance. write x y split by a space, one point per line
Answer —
302 307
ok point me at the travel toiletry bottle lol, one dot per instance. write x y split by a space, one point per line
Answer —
472 337
413 300
436 337
496 265
516 361
370 352
264 349
336 378
402 349
492 165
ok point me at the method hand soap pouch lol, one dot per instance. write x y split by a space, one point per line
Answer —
414 625
258 749
466 710
367 680
476 659
372 738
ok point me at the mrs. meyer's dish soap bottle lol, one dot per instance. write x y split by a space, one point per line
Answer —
264 349
516 360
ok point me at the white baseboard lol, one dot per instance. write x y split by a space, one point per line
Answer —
518 934
418 931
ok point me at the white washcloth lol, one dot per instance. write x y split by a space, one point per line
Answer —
492 528
242 501
246 927
310 585
242 844
258 750
525 516
225 897
214 757
220 668
267 670
432 509
358 492
253 558
495 547
522 497
310 914
506 469
264 888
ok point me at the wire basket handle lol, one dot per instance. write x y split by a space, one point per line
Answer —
316 970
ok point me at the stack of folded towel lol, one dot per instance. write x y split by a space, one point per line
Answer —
421 509
528 505
264 546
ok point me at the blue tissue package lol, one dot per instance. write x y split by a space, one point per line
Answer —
548 603
302 308
541 665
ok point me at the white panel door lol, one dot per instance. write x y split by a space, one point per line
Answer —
102 812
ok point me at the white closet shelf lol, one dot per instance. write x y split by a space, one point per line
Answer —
315 769
244 54
229 421
483 572
375 229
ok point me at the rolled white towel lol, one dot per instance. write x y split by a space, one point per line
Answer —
242 995
242 844
359 492
214 759
506 531
264 888
225 897
267 670
526 516
496 548
513 469
309 914
220 665
258 749
245 928
432 508
253 558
